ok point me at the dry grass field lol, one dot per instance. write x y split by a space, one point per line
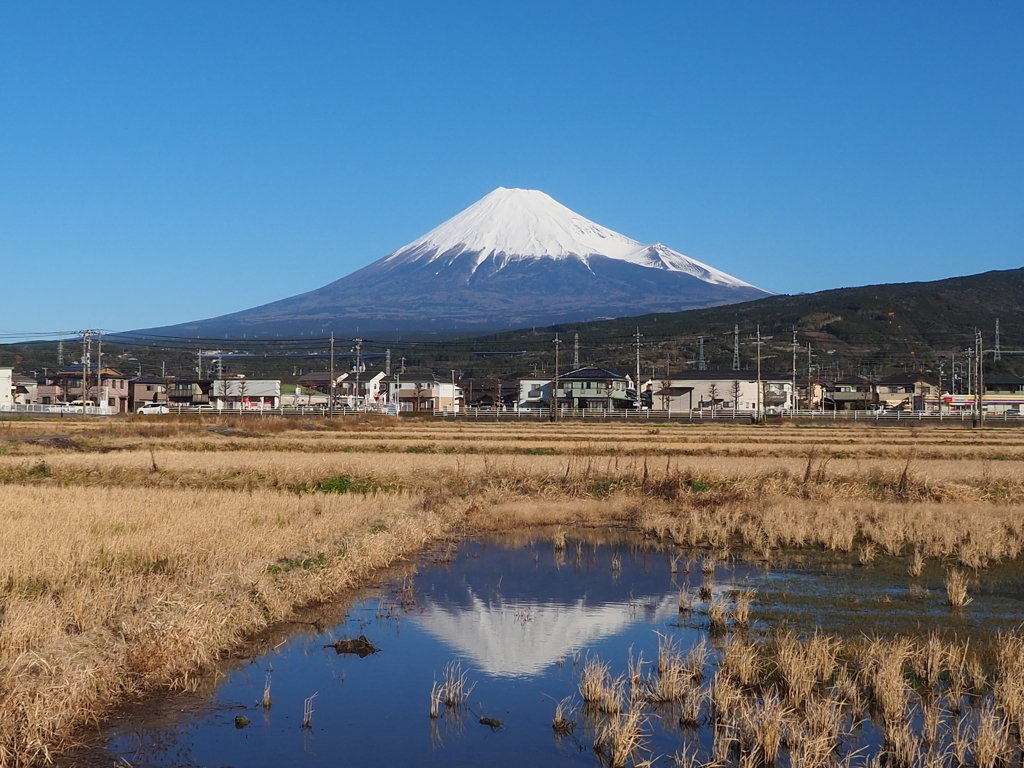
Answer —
136 553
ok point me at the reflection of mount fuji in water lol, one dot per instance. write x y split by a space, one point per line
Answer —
514 610
522 639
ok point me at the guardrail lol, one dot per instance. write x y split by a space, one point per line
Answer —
730 415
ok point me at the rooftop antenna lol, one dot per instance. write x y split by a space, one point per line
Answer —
735 347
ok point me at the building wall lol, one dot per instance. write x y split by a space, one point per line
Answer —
6 388
697 394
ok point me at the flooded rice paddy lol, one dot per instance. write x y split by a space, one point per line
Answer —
523 623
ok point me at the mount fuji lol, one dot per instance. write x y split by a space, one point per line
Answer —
515 258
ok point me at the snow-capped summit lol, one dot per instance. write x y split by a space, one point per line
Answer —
516 224
513 259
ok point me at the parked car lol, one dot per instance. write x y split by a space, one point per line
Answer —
152 408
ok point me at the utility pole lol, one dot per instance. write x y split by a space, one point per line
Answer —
576 348
359 362
99 365
636 386
330 405
795 345
701 365
759 373
736 347
554 390
85 364
981 378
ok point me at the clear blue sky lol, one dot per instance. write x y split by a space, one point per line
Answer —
163 162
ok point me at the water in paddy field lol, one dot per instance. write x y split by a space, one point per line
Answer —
521 619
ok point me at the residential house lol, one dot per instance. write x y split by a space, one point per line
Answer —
1003 392
242 394
183 390
853 393
913 391
594 388
721 391
534 393
810 392
107 387
146 389
426 394
25 389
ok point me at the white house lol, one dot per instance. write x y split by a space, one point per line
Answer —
426 394
721 391
534 393
244 394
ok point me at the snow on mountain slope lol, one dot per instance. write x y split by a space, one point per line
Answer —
518 224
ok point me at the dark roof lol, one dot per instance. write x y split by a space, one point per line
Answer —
1003 378
744 375
910 377
855 379
148 380
76 370
317 377
590 373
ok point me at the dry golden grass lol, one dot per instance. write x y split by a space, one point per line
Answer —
135 553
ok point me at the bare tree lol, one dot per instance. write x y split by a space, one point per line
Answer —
243 389
736 389
713 394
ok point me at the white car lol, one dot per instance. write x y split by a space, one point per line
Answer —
152 408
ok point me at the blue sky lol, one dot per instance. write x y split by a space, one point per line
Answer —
163 162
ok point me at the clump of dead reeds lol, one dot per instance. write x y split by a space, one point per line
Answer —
718 614
564 721
559 540
594 676
741 608
621 736
457 688
956 588
916 564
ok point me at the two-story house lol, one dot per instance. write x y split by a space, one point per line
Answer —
594 388
908 391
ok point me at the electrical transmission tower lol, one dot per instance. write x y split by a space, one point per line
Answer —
576 349
701 363
735 347
995 352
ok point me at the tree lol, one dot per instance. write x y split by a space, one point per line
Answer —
420 391
736 390
713 394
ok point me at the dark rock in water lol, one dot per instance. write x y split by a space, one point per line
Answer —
491 723
241 721
359 646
